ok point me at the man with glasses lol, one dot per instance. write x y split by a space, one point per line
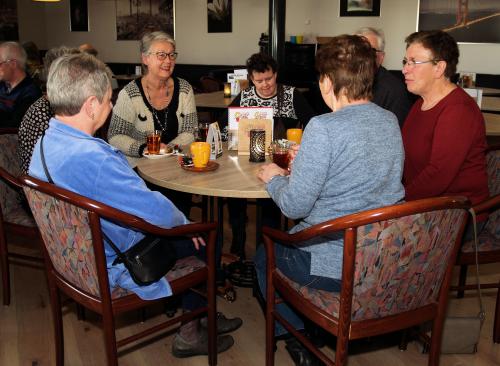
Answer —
389 92
17 89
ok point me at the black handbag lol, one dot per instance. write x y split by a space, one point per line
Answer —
148 260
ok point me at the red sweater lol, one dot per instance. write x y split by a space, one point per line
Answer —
445 149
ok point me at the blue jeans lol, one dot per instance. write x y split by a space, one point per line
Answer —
296 265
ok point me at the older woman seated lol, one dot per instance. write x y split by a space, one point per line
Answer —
79 91
349 160
444 134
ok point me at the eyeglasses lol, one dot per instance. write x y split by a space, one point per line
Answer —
378 51
4 62
162 56
412 63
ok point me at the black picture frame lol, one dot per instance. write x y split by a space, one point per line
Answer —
220 18
135 18
78 16
359 8
466 22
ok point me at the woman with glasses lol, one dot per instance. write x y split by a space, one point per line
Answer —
156 101
444 134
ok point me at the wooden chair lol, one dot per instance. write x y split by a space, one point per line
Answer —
488 238
210 84
76 266
397 265
16 220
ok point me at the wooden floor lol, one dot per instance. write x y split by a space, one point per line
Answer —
26 335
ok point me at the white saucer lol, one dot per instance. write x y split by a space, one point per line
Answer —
162 154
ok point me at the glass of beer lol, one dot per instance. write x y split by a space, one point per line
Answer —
154 141
203 131
294 134
280 155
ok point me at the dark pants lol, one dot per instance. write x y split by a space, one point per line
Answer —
185 248
296 265
237 208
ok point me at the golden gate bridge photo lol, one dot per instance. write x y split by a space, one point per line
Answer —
474 21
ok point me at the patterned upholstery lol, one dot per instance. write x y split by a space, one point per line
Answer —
489 237
182 268
399 266
66 234
10 199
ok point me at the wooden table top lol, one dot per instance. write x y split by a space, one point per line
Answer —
212 100
235 177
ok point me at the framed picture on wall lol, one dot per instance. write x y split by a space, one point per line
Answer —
8 25
467 21
135 17
359 8
220 16
79 16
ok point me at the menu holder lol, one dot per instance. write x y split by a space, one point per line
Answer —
215 141
236 114
244 127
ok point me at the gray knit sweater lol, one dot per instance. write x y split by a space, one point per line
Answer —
128 132
349 161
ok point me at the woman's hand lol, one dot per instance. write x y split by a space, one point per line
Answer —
270 170
198 241
292 152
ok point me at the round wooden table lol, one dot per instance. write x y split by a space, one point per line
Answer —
236 177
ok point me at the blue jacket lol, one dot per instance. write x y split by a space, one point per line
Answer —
94 169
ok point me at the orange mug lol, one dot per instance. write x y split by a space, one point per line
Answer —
294 134
200 152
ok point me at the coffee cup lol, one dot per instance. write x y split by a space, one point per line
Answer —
294 135
154 142
200 152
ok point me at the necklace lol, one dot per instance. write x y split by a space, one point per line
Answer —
163 125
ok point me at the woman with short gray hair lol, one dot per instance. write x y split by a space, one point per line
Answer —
36 119
156 101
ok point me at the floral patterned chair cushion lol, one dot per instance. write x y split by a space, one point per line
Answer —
489 238
399 266
66 233
65 230
182 268
11 200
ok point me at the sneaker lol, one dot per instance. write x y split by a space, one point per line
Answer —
183 349
301 355
224 325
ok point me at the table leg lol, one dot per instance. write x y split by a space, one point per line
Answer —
258 222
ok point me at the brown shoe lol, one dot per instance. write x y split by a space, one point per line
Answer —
183 349
224 325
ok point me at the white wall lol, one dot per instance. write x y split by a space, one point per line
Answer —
48 26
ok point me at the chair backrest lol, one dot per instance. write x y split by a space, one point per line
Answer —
210 84
493 169
9 197
400 263
67 234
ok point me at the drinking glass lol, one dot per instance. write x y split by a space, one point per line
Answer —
154 141
203 131
294 134
280 155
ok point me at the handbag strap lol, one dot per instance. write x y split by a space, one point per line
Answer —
119 254
42 155
482 313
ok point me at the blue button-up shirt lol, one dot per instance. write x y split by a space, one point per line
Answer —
92 168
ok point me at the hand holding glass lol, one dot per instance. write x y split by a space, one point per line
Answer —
280 155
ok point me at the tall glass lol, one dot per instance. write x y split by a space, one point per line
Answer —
154 141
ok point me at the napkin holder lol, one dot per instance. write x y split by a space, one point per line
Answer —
215 141
244 127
